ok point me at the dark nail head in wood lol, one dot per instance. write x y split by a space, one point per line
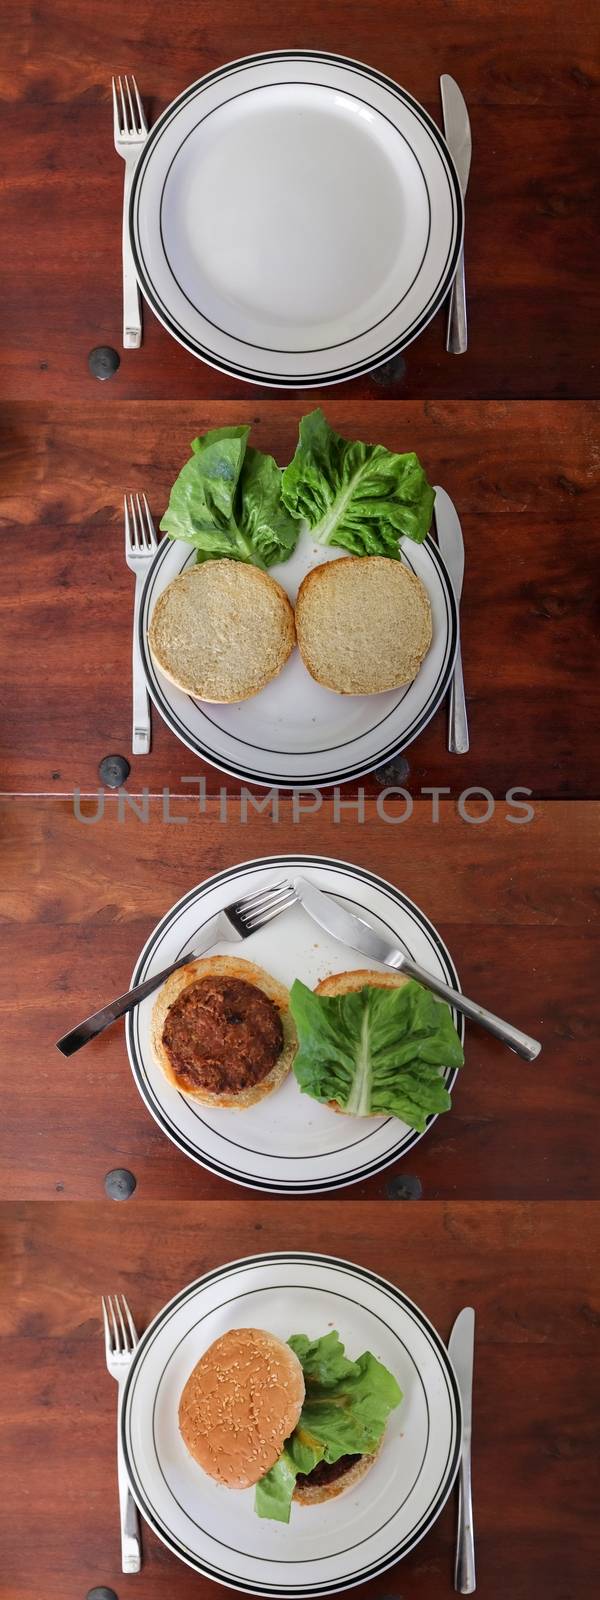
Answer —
404 1189
103 362
390 372
394 772
102 1594
113 771
119 1184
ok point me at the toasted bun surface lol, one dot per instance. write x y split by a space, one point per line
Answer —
308 1494
221 631
363 624
240 1404
225 967
348 983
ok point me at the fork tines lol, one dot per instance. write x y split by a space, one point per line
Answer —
128 111
139 527
120 1337
256 909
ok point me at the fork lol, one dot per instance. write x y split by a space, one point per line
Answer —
233 923
130 130
140 548
120 1340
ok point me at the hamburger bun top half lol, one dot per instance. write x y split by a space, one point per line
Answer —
240 1403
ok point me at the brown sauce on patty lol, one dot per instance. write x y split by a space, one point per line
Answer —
222 1034
327 1471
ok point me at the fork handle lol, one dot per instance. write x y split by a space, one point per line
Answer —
102 1019
132 305
456 338
131 1545
141 736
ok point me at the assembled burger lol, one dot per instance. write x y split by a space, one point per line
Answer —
300 1421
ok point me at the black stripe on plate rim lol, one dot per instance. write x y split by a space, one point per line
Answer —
178 329
136 1054
271 1560
202 705
377 358
288 83
285 780
333 1263
449 1077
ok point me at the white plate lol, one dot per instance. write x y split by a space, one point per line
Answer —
296 734
288 1143
324 1548
296 218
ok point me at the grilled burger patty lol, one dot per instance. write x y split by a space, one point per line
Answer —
327 1471
222 1034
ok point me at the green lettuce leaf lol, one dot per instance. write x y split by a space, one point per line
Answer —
345 1410
377 1051
265 522
323 1360
359 496
274 1493
227 502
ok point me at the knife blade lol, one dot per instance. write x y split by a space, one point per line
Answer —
461 1346
343 925
452 550
457 128
359 935
449 538
457 131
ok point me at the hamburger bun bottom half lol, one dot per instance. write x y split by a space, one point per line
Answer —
224 967
307 1494
363 624
221 631
349 983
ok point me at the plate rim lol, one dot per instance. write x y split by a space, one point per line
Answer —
210 1163
366 1274
354 369
297 782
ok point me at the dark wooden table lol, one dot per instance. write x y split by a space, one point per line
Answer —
510 1180
524 477
515 904
529 75
530 1272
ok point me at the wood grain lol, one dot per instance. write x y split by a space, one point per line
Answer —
516 905
530 1271
530 79
524 477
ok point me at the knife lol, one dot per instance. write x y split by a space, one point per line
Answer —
359 935
457 131
460 1350
452 551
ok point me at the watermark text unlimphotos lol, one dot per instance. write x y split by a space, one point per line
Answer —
393 805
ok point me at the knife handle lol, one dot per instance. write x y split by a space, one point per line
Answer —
456 338
521 1043
465 1581
458 728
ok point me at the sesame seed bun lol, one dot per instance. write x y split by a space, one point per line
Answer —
240 1404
